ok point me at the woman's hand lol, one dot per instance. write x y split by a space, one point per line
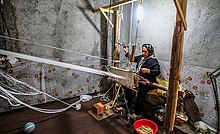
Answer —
145 70
125 49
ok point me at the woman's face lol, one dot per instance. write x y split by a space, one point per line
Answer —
145 52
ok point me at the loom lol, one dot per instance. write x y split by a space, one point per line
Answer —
129 83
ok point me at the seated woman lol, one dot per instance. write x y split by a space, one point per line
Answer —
147 67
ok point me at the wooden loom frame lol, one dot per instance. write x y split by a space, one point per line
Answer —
176 54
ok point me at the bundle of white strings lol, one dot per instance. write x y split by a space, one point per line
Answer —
9 96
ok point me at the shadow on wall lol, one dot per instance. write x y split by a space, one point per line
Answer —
88 7
8 14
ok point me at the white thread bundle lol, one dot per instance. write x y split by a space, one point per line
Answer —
61 64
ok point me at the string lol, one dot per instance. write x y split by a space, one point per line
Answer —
42 45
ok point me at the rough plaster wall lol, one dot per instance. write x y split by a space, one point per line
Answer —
59 23
125 23
10 24
201 45
156 27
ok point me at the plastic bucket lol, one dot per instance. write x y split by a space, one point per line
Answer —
145 122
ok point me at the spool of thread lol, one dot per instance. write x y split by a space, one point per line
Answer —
29 127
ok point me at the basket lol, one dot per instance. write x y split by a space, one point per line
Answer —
145 122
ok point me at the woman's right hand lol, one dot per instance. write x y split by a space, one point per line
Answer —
126 48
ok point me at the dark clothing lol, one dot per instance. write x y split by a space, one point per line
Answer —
152 64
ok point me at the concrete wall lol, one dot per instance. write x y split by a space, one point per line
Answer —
63 24
201 45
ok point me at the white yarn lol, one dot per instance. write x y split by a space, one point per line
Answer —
10 78
61 64
76 105
9 97
39 109
85 98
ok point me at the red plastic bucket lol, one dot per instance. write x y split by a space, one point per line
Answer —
145 122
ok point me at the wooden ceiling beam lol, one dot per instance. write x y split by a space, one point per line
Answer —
107 18
117 4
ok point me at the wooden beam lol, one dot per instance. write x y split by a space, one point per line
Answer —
180 11
133 53
116 51
107 18
116 39
107 10
154 85
117 4
175 70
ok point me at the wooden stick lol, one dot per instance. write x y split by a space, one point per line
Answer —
133 53
117 25
175 70
155 85
106 10
117 93
117 4
107 18
146 82
180 11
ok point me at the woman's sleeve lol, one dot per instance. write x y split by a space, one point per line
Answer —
155 70
136 60
127 55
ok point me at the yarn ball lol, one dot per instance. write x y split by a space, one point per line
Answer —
29 127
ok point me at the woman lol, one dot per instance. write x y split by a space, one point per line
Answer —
147 67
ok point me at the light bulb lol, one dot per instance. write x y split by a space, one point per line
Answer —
140 12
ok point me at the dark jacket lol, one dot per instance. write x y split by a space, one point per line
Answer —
150 63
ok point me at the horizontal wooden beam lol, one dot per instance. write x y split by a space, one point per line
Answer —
117 4
107 18
107 10
180 11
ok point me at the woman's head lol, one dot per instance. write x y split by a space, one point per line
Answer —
147 50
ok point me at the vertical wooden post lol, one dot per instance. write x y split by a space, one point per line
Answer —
116 51
175 70
133 53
